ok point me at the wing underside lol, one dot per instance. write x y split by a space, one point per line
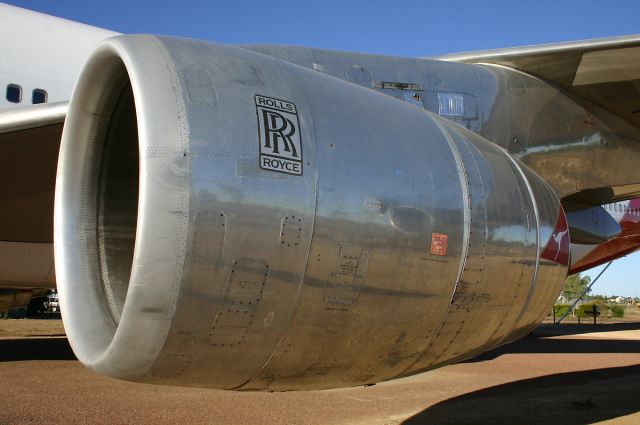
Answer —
29 144
603 71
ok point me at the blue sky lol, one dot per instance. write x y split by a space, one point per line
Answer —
403 28
619 279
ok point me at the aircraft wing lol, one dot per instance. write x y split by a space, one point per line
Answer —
30 140
32 116
604 71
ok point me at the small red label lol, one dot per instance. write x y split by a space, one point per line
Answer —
439 244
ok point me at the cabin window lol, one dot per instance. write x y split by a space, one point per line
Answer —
14 93
39 96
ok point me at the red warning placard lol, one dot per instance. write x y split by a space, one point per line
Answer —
439 244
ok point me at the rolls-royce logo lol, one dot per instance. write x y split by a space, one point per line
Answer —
279 135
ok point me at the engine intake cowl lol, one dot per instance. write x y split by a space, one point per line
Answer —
230 220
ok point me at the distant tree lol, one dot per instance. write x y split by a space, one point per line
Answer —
561 309
575 285
617 310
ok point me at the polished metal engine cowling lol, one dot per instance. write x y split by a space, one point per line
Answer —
226 219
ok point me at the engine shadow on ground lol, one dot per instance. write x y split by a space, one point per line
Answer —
539 342
45 316
574 398
12 350
548 329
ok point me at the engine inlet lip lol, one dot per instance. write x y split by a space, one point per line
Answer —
125 347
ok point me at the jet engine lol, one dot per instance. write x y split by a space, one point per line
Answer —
227 219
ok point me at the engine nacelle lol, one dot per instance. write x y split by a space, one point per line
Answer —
226 219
